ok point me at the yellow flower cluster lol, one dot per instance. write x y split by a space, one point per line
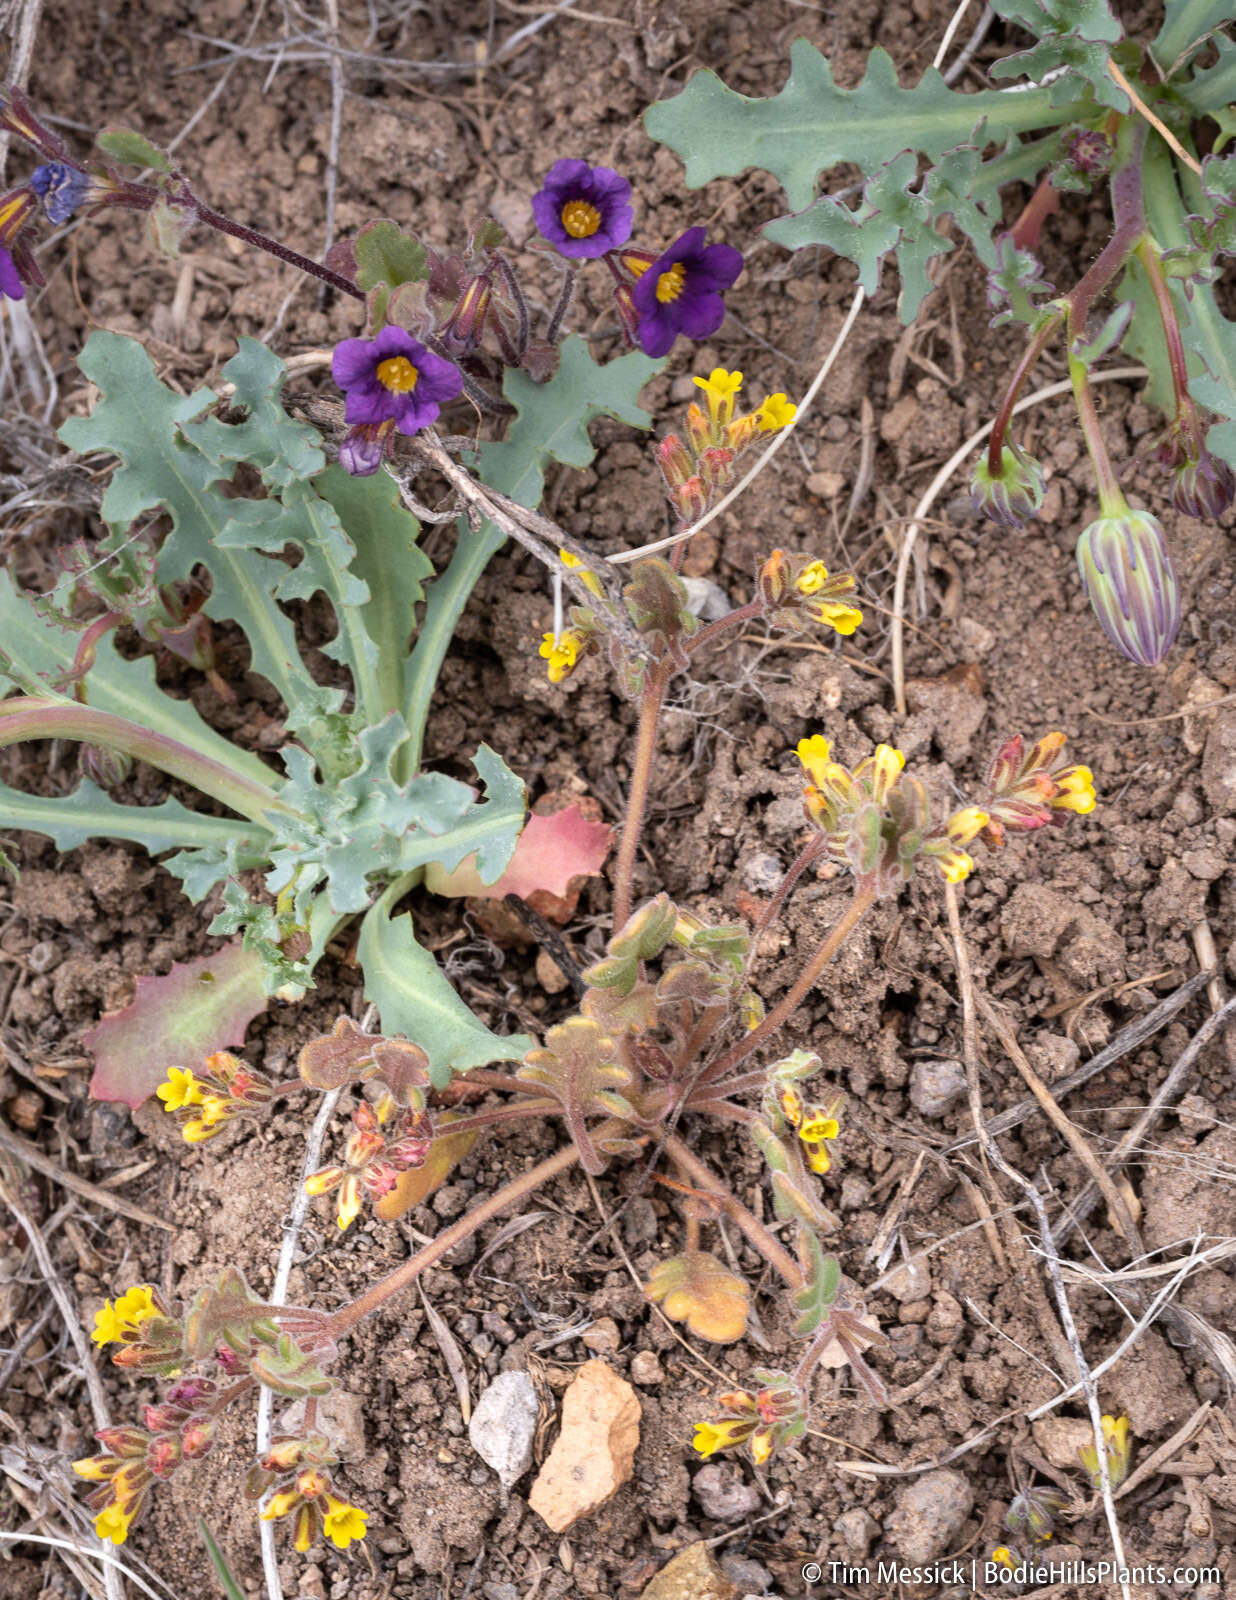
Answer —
815 1126
315 1510
720 388
1116 1441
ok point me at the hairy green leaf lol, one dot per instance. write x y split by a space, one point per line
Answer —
132 149
1213 89
812 124
1075 35
384 255
89 813
1186 25
415 999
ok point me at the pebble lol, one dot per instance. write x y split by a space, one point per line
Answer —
594 1454
762 872
751 1576
706 600
935 1086
857 1529
503 1426
499 1591
929 1515
691 1575
910 1281
639 1221
646 1369
721 1494
603 1337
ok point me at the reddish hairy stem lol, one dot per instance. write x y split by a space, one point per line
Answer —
864 899
503 1082
732 619
809 853
344 1320
1029 356
773 1251
499 1114
1186 410
645 753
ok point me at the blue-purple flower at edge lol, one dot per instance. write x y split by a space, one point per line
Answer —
11 286
394 378
61 188
681 291
583 211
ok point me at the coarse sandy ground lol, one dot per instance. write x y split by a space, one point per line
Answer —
1075 935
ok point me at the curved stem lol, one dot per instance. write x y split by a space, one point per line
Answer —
773 1251
732 619
26 717
1008 400
811 851
343 1321
499 1114
864 899
645 752
1186 411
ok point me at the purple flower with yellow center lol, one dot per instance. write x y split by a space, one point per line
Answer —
681 291
583 211
394 378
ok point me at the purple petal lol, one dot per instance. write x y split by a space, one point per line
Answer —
396 341
658 329
717 267
368 402
352 361
699 314
11 286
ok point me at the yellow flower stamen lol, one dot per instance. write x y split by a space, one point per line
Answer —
777 412
398 375
670 283
580 219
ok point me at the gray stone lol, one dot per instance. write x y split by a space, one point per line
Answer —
936 1085
721 1494
929 1516
503 1426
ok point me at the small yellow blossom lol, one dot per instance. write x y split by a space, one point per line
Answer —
349 1203
562 653
963 826
124 1318
720 387
181 1089
817 1125
812 578
113 1522
777 412
713 1436
280 1504
815 754
95 1468
216 1110
590 579
838 616
956 865
1074 790
343 1523
761 1446
792 1105
818 1159
1004 1556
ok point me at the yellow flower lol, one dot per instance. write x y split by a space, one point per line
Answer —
96 1468
956 865
792 1105
215 1112
124 1319
181 1089
812 578
349 1202
1116 1432
720 387
963 826
838 616
817 1125
815 754
818 1159
113 1522
280 1504
323 1181
776 412
1004 1556
343 1522
561 653
591 581
713 1436
1074 790
305 1528
761 1446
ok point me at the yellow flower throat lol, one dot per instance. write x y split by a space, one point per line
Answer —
398 375
580 219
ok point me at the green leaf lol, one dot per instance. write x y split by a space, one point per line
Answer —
1212 90
175 1021
812 124
415 999
284 451
35 652
132 149
819 1294
1073 34
1186 25
384 255
393 568
231 1589
553 417
145 423
89 813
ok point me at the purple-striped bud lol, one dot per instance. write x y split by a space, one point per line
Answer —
1130 582
1203 488
463 329
1012 496
365 447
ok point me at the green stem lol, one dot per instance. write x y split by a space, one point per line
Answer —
25 717
645 753
1112 502
864 899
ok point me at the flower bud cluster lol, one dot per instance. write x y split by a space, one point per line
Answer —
297 1469
374 1156
797 591
760 1419
204 1103
1030 787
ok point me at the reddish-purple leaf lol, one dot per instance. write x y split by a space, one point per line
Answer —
199 1007
551 851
